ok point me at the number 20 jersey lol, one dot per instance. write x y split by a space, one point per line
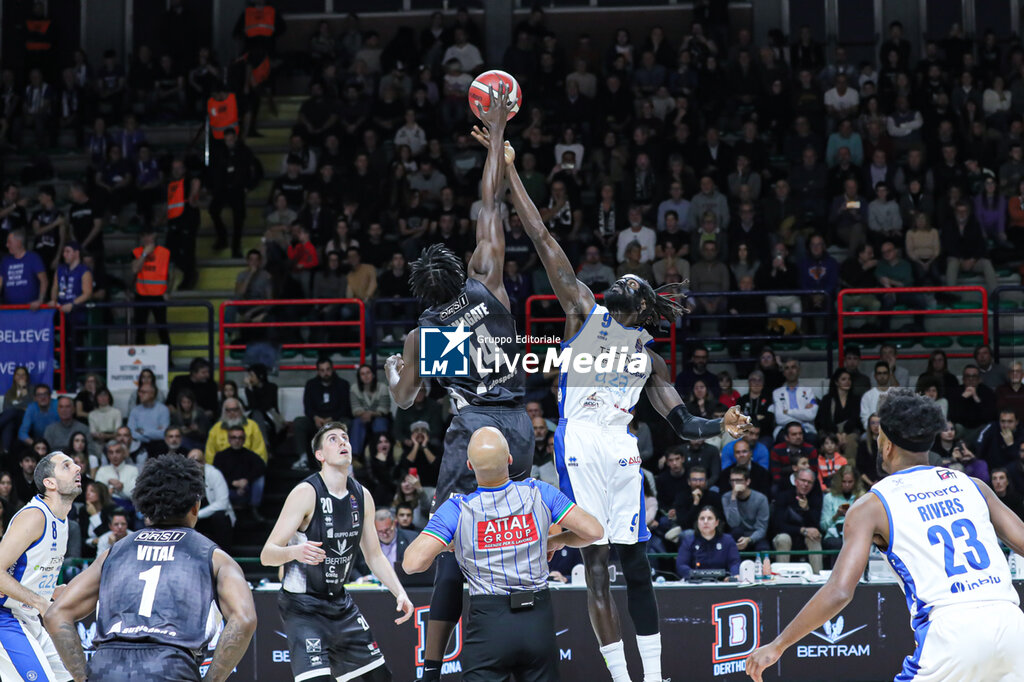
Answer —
942 544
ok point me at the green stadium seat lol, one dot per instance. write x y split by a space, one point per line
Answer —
818 344
289 353
714 346
970 341
1008 306
937 342
238 355
1011 339
786 346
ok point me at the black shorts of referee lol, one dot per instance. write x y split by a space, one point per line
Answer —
504 638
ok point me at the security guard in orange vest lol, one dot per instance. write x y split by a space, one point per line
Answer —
152 269
259 25
222 108
182 219
39 41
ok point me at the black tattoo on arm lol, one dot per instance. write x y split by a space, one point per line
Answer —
69 646
231 646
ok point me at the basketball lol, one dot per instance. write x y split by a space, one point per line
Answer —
479 93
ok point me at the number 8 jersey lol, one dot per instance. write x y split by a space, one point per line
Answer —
942 544
39 566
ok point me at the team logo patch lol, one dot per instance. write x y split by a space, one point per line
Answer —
573 461
508 531
313 646
944 474
444 351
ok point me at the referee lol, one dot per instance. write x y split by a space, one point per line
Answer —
500 537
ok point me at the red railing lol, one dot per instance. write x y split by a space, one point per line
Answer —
59 350
359 323
843 314
531 320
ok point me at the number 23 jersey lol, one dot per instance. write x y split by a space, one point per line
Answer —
942 544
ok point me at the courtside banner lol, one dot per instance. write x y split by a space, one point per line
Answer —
26 338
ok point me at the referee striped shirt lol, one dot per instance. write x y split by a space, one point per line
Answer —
500 534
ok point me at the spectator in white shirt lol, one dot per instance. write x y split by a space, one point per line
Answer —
869 401
216 517
119 475
675 202
465 52
636 232
792 402
411 134
842 100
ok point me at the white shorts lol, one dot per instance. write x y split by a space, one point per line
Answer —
599 469
27 652
977 642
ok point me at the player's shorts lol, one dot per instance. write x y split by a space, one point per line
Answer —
327 637
599 469
454 476
129 662
980 641
27 652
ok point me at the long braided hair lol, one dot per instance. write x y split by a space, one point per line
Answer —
437 275
665 302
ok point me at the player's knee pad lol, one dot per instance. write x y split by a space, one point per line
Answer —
446 600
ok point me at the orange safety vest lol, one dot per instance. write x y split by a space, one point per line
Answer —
37 39
223 115
259 23
261 72
175 198
152 278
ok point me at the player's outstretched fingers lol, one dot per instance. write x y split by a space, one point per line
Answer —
405 607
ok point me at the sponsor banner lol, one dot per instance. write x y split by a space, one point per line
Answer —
707 632
26 339
125 362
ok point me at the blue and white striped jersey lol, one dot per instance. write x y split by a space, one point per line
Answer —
39 566
942 544
501 534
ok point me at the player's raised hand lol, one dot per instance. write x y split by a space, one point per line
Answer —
309 553
405 607
735 422
483 136
393 368
761 659
498 108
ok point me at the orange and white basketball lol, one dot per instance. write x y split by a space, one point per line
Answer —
479 94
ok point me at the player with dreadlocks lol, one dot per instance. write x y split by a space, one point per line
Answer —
478 305
596 457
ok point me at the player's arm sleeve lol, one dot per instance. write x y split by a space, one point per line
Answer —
444 523
556 501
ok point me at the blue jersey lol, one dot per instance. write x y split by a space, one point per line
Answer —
69 282
942 544
21 278
501 534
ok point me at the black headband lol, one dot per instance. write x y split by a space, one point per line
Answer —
923 444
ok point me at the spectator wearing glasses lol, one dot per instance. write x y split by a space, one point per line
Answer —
793 402
974 406
797 514
232 416
746 513
243 470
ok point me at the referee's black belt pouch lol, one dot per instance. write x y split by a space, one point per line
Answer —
519 601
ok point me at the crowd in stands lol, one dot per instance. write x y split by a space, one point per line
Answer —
693 154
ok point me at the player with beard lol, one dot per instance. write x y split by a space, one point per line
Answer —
31 555
315 538
596 457
480 304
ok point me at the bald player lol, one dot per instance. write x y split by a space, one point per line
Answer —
499 535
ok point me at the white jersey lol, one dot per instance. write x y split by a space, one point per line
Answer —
606 393
38 568
942 544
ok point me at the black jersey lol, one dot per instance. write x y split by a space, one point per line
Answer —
80 218
48 240
494 330
337 522
157 586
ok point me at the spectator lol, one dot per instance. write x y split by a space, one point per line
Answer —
467 54
232 415
404 516
845 136
818 270
38 112
16 400
999 442
24 482
66 425
233 171
845 489
199 382
708 199
993 374
325 398
39 415
637 232
794 403
757 404
253 283
422 409
671 481
1009 497
1011 394
710 275
839 412
697 369
740 456
829 459
118 531
964 244
118 474
779 275
23 278
974 406
884 219
688 503
797 515
923 248
243 470
94 515
191 419
848 217
371 409
785 454
593 272
149 419
883 380
966 461
727 395
746 513
216 516
362 279
708 548
675 202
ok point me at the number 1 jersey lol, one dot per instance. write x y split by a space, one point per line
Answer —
157 586
942 544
